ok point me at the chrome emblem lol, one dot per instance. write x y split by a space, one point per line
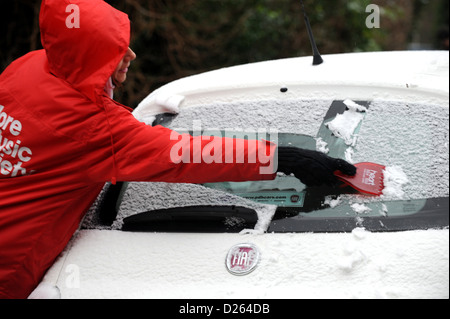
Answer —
242 259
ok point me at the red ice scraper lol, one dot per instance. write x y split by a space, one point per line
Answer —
369 178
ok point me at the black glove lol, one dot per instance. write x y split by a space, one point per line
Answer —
312 168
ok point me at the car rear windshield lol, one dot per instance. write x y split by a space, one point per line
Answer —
410 139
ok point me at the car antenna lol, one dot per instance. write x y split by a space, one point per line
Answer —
317 60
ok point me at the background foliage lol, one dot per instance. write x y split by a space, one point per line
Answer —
174 38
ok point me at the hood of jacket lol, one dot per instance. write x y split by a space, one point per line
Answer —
84 41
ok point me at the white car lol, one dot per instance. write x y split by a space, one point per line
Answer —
279 239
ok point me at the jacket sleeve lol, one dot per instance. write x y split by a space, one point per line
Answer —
138 152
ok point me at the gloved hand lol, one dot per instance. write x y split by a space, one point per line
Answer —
312 168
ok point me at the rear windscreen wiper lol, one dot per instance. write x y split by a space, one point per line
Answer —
205 219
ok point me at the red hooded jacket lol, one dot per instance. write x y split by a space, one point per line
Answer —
62 138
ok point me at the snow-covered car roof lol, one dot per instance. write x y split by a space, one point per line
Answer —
402 99
404 76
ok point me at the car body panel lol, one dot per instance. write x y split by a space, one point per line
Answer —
114 264
415 76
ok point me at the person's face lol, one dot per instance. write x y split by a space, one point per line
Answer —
120 74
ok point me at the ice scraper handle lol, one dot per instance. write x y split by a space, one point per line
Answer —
312 168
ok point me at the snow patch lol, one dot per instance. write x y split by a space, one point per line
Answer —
333 202
45 291
394 180
349 155
353 255
384 210
322 146
359 233
265 215
360 208
146 112
344 125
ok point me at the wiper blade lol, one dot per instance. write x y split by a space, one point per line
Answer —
433 213
205 219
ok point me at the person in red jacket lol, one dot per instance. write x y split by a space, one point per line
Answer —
62 137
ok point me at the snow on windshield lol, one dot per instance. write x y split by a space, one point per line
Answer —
344 125
413 137
291 116
411 140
